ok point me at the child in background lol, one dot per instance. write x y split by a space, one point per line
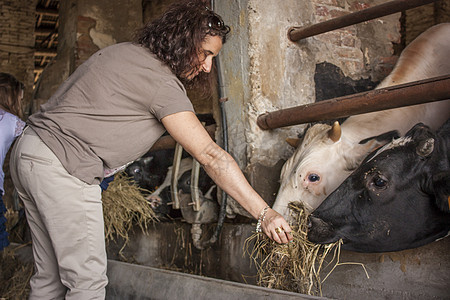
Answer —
11 126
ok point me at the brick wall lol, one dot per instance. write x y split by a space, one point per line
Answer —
17 18
419 19
344 39
365 48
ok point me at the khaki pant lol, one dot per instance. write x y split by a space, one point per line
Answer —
66 222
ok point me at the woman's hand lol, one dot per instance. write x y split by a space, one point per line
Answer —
276 227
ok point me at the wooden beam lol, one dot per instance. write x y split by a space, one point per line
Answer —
45 52
47 12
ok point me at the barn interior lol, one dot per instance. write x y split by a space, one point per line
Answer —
259 70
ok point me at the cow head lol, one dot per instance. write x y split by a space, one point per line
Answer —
324 158
397 199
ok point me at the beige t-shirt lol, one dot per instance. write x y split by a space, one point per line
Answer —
108 112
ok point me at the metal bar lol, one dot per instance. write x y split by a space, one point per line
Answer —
195 194
418 92
174 179
297 33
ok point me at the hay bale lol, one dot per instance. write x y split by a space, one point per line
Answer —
124 204
294 266
14 275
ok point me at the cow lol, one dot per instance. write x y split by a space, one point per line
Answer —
161 198
328 154
153 171
397 199
149 171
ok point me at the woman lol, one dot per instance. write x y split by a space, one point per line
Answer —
11 126
108 113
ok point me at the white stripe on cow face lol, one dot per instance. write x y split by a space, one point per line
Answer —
395 143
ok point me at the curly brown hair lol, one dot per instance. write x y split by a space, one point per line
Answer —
10 89
176 37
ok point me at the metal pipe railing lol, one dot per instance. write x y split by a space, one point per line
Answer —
417 92
297 33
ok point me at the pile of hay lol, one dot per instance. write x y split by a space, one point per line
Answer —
294 266
124 205
14 275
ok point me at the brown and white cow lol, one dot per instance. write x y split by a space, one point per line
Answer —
328 155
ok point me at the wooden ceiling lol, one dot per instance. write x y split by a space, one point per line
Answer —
46 34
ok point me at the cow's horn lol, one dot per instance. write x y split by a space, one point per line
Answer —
425 148
335 132
294 142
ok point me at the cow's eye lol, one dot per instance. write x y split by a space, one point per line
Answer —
313 177
379 181
137 170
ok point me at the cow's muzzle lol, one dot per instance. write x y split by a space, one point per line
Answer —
319 231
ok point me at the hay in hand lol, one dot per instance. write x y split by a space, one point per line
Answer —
124 204
294 266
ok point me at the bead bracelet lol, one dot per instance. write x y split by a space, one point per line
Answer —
261 218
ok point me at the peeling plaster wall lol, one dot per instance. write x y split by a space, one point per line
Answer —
111 23
86 27
282 71
264 71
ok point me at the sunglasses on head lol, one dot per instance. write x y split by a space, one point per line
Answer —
216 23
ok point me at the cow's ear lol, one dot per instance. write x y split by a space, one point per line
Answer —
147 159
441 188
294 142
425 147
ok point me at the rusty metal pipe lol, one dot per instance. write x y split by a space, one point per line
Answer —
418 92
297 33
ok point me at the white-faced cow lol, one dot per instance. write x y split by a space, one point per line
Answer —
327 155
397 199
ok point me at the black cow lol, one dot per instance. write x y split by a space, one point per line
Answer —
397 199
150 170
